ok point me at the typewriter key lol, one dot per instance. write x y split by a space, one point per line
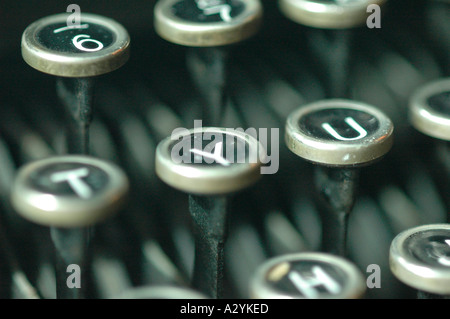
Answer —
328 14
69 194
420 258
430 109
330 23
429 113
76 53
207 26
339 136
209 164
307 276
207 23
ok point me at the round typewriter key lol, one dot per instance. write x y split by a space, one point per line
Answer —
328 14
330 25
339 132
69 194
420 258
340 136
209 163
430 109
199 23
96 46
76 53
68 191
307 276
208 27
429 113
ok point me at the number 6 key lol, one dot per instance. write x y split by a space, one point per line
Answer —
76 53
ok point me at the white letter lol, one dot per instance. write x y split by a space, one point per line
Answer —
73 178
352 123
306 285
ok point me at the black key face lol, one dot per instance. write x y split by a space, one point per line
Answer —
339 132
420 257
338 124
69 179
208 10
430 247
308 279
210 160
210 150
69 191
82 38
57 46
440 103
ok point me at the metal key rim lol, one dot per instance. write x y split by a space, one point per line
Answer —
413 273
354 288
72 64
188 33
424 118
68 212
208 180
339 153
327 15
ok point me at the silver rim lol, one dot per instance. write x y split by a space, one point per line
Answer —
72 64
339 153
413 273
67 211
425 119
208 180
354 288
179 31
327 15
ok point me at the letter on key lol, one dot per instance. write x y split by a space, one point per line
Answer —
68 191
307 276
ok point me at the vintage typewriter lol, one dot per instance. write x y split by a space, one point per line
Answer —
290 55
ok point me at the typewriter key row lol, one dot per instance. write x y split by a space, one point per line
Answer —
338 137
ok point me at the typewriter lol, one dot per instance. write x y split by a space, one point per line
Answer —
289 56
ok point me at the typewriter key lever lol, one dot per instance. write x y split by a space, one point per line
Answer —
69 194
76 54
339 136
420 258
209 164
208 27
330 36
307 276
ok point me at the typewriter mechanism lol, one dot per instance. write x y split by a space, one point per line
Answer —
230 149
